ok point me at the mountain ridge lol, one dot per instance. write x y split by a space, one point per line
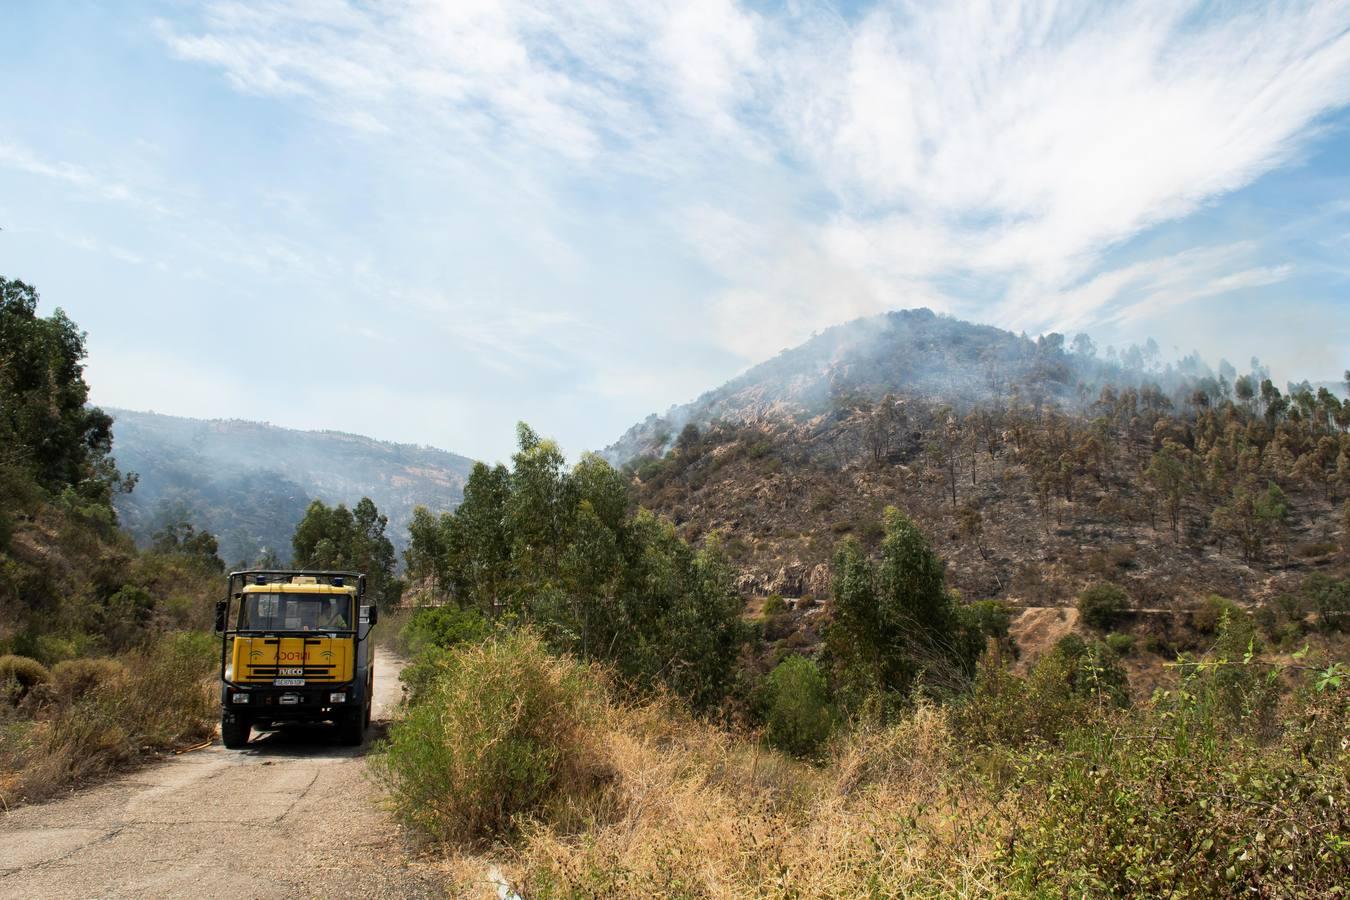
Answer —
248 482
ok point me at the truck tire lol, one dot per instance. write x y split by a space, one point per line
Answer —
234 731
370 695
352 728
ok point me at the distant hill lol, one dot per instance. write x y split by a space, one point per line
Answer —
1036 468
249 482
916 354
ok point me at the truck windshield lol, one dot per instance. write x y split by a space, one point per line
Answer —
295 612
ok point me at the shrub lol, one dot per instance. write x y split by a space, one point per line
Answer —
160 702
986 618
442 627
74 678
125 617
1004 710
1102 605
797 716
1120 644
1159 812
502 732
19 675
1330 600
774 604
1206 615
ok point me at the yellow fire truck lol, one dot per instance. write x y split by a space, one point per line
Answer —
295 647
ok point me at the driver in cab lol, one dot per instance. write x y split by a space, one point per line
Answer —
333 616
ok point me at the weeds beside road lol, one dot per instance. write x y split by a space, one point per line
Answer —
87 718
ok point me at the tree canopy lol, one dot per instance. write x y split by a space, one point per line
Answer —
47 430
340 538
559 547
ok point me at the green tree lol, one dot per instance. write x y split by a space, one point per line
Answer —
896 618
199 547
373 553
425 556
47 428
1252 518
1102 605
797 713
477 540
561 550
338 538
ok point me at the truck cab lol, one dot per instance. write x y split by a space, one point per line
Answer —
295 647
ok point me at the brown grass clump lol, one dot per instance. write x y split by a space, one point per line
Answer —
693 811
74 678
105 714
19 675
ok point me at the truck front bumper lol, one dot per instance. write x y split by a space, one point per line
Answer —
311 702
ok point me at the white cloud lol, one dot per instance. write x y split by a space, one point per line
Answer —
565 78
1022 140
822 167
1140 291
85 181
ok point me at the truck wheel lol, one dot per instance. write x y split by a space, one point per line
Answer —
352 728
234 731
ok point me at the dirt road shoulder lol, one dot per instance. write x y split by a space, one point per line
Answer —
292 815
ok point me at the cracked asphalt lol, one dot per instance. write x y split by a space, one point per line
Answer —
292 815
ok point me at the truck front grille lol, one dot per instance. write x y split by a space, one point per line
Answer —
311 673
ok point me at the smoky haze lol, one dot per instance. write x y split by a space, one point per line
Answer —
249 482
921 355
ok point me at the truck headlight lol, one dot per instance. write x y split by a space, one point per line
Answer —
239 698
339 697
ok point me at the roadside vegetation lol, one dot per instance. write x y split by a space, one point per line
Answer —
898 756
1223 784
103 654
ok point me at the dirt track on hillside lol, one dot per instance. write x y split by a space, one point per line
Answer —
292 815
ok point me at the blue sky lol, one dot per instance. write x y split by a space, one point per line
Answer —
424 220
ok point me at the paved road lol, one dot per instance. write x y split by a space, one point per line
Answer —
293 815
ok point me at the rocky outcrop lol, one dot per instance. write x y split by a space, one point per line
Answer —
794 580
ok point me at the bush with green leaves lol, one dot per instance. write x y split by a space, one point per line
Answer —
1120 644
1182 800
1207 613
1102 605
1094 670
503 731
443 627
774 604
895 619
1330 600
797 716
986 618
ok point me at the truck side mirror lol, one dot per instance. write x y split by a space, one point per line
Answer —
221 606
370 615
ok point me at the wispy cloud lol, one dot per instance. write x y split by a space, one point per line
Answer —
1012 143
91 184
577 80
1021 141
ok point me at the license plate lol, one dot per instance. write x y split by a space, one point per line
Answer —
299 671
290 699
289 682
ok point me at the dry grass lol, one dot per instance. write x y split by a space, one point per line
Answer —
103 715
1029 788
696 812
